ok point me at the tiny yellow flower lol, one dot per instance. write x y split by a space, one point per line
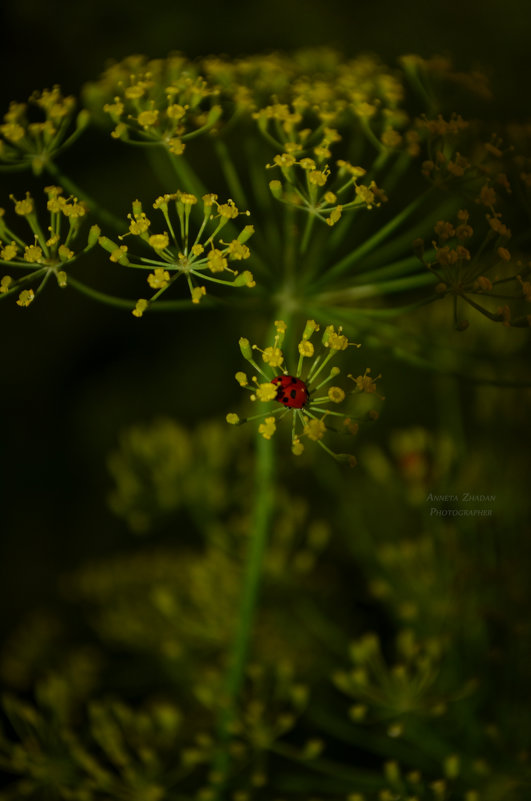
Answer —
176 146
64 253
148 118
266 392
9 251
216 261
24 207
306 348
245 279
12 132
140 224
267 428
73 208
333 340
159 278
336 394
159 241
228 210
365 382
5 283
273 356
197 293
238 251
197 249
232 418
335 215
62 278
134 92
187 198
297 447
26 297
55 204
32 253
366 195
314 429
242 379
318 177
140 308
118 253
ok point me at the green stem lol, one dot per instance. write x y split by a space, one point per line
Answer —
264 498
355 293
230 173
373 244
124 303
307 233
104 216
186 175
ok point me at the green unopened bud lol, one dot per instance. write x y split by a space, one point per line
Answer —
246 234
93 235
309 329
106 243
245 347
83 119
276 189
213 115
245 279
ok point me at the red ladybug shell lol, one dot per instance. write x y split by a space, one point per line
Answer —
292 392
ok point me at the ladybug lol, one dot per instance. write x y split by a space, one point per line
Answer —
292 392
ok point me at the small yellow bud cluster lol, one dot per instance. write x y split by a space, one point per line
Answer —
298 395
46 253
25 142
175 251
310 189
143 112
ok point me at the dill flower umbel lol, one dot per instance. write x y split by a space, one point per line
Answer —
45 253
178 252
25 142
165 100
301 394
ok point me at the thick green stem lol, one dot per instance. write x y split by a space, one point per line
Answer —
186 175
263 507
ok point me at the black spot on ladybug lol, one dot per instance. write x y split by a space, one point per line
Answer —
293 393
293 381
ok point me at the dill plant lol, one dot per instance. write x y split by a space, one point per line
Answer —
360 203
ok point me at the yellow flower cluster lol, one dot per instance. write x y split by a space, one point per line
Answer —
164 100
25 142
190 247
49 250
302 398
